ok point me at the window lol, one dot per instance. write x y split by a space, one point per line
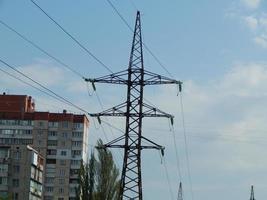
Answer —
75 162
61 181
72 189
51 161
49 180
52 133
26 122
3 180
17 155
77 126
48 198
76 143
65 135
65 124
63 153
61 172
41 124
15 182
51 152
49 189
3 168
53 124
74 180
15 196
4 152
76 152
61 191
74 171
77 134
52 143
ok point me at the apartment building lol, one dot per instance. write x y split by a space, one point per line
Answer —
21 172
61 138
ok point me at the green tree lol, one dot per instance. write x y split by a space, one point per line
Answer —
98 180
107 184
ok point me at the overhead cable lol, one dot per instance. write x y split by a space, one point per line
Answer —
45 88
131 29
40 49
186 147
72 37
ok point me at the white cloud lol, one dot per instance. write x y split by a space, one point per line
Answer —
251 4
246 80
228 114
251 22
263 21
44 74
223 112
261 41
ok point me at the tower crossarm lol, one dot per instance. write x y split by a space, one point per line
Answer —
151 78
150 111
114 78
120 111
118 143
117 111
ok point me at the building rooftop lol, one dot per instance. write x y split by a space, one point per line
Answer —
22 107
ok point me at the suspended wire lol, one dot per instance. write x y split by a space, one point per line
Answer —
133 5
109 125
167 177
186 147
102 127
55 95
96 127
131 29
21 80
40 49
72 37
176 154
112 126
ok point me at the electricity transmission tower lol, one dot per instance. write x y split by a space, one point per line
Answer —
180 192
134 110
252 193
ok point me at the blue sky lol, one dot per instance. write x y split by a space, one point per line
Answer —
217 48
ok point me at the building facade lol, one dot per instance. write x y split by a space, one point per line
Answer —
21 172
61 138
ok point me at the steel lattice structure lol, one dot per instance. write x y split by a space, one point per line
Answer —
180 192
134 110
252 193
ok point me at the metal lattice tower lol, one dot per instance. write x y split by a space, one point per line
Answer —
134 110
180 192
252 193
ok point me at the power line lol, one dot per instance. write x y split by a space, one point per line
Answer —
131 29
167 177
72 37
186 147
21 80
177 155
42 86
40 49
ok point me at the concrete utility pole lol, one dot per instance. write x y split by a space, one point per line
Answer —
134 110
